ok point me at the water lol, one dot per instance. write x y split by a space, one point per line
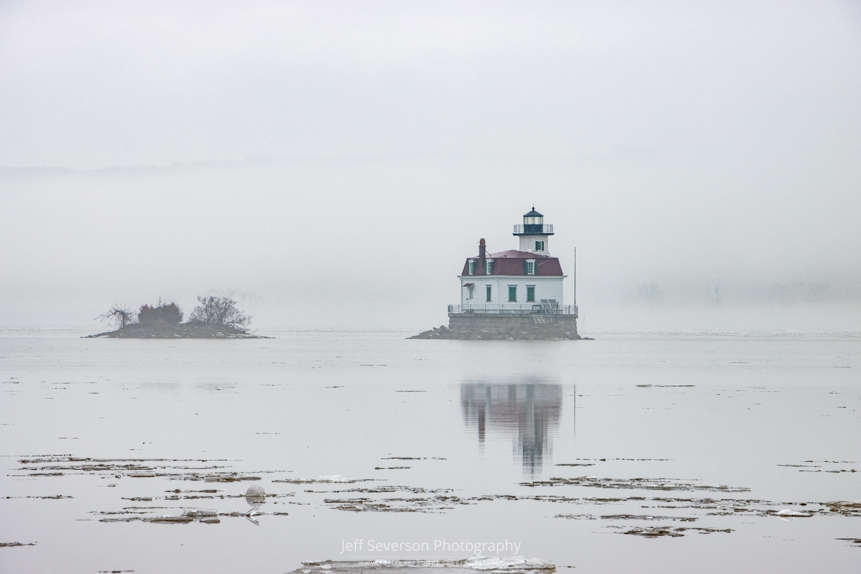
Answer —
439 444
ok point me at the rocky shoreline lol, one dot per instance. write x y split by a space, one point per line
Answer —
189 330
549 332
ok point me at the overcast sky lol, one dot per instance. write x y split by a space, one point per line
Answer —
337 161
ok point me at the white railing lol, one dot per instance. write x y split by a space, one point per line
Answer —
512 309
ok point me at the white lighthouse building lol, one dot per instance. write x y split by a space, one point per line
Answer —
525 281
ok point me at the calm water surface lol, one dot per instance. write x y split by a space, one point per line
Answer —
572 451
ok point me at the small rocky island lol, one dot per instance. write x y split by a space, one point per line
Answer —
505 328
213 318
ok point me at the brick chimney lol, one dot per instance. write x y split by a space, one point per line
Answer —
482 257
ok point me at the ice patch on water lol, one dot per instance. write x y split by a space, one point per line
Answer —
513 562
788 513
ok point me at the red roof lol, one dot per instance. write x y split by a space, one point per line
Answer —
514 253
512 262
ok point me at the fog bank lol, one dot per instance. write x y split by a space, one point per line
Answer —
331 165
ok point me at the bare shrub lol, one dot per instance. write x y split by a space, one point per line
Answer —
163 314
119 315
220 311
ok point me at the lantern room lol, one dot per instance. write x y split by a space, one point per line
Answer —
534 233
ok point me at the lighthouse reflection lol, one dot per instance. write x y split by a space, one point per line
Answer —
529 412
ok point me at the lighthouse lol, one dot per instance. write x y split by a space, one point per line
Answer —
513 294
517 281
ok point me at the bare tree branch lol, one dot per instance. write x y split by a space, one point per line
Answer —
220 311
121 315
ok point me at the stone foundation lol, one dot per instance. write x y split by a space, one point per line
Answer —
505 327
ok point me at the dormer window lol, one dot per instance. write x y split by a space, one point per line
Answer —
470 267
539 246
488 267
530 266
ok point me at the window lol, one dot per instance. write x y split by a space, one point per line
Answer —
512 293
489 289
530 266
539 246
530 293
469 290
470 267
488 267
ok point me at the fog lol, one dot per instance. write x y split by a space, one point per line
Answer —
330 165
